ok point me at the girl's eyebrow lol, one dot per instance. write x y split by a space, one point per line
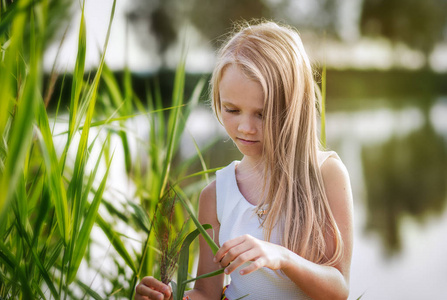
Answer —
228 103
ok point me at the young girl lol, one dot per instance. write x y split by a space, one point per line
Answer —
283 214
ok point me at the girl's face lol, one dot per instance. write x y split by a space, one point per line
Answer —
242 104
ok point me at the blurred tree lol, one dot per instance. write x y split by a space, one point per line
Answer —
159 18
214 18
164 20
418 23
308 14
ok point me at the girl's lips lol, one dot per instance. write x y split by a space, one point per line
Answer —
247 142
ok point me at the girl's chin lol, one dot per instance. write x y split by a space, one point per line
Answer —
255 153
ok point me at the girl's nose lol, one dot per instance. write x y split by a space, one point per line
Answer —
247 126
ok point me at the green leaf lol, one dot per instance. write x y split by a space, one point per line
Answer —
53 172
8 260
75 188
21 135
84 234
42 193
183 263
141 216
78 76
205 172
89 290
173 129
210 274
112 87
38 262
199 226
323 107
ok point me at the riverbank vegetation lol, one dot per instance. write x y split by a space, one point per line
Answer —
57 206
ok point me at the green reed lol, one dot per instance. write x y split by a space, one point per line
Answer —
50 201
48 207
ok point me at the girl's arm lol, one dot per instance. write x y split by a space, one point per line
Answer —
211 287
317 281
204 289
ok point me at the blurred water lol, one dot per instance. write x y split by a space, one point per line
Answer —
397 159
397 162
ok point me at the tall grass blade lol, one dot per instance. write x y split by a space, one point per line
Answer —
59 195
210 274
76 185
21 128
173 130
89 291
323 106
7 17
199 226
200 173
9 261
42 192
11 47
122 104
43 272
84 234
21 204
112 86
182 272
141 217
78 76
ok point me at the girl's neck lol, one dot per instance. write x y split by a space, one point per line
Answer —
250 179
252 166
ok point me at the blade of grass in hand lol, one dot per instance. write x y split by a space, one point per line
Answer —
183 262
199 226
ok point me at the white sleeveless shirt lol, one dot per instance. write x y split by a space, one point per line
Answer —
237 217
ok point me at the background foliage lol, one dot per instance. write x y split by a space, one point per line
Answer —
54 168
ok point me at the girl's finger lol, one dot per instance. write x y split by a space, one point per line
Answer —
230 244
233 253
256 265
247 256
225 247
153 288
145 292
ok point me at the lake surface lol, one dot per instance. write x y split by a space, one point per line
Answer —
397 160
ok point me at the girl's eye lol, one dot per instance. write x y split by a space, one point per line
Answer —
231 111
260 116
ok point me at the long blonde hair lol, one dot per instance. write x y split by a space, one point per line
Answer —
274 56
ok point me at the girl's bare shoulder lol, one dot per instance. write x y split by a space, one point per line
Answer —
207 203
337 186
334 171
208 193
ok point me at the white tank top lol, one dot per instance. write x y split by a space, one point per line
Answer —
237 217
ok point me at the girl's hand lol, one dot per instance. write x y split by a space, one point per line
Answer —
247 248
151 288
